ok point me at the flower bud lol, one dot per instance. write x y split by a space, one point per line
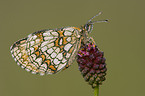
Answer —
92 64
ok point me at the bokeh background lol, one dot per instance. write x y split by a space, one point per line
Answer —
122 40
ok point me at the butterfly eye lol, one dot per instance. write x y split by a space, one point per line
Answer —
88 27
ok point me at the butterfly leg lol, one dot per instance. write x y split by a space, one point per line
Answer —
91 40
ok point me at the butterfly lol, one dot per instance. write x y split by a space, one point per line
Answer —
52 50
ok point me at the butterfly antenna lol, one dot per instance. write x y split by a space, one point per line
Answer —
95 16
99 21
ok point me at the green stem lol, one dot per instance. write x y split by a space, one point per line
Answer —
96 91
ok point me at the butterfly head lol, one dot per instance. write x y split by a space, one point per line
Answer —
88 27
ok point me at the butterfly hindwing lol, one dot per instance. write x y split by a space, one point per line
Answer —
47 51
19 53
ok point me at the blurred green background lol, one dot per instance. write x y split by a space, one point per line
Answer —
122 40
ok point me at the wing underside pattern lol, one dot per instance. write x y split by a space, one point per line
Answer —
46 51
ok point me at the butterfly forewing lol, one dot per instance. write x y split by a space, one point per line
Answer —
47 51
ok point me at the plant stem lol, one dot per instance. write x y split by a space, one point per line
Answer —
96 91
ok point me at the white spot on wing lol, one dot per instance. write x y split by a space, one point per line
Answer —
47 33
39 61
67 55
49 71
67 47
54 48
50 50
15 59
55 34
28 67
50 45
22 66
15 53
67 33
48 38
57 50
56 61
18 51
68 39
53 55
52 40
60 42
32 43
28 70
32 49
69 29
64 60
59 56
33 56
18 63
44 66
30 35
44 43
16 48
20 54
44 48
34 37
11 47
37 41
12 55
28 51
11 51
61 66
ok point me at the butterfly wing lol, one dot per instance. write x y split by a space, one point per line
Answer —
19 53
47 51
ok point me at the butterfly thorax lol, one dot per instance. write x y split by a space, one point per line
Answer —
85 30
